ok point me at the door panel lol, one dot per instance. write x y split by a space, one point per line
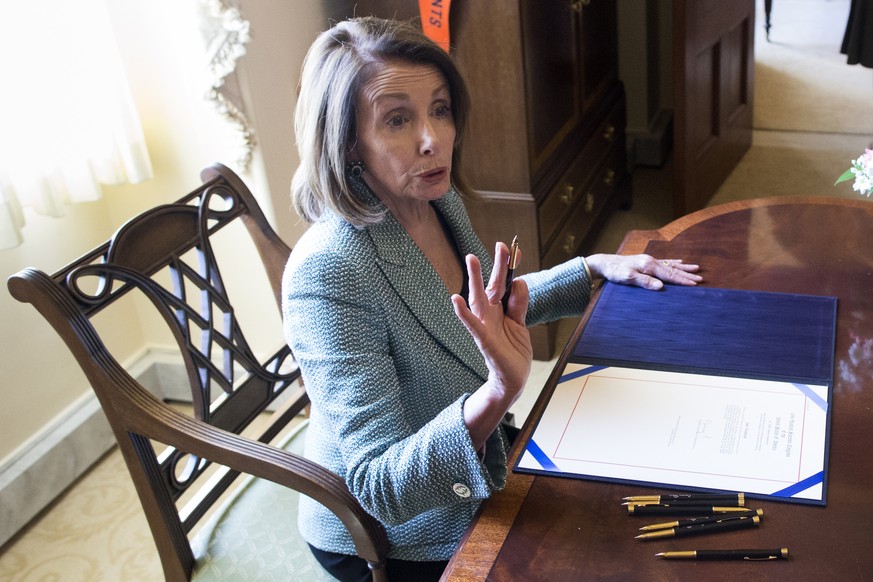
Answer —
703 116
736 91
713 56
551 64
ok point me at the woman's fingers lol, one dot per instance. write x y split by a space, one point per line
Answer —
470 321
678 272
478 294
516 309
483 314
497 282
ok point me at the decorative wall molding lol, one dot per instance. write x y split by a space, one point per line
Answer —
43 468
651 148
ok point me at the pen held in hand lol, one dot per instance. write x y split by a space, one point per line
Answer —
702 528
510 272
748 555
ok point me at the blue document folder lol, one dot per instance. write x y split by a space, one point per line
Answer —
752 363
718 331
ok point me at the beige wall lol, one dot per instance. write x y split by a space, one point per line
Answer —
645 59
282 32
40 379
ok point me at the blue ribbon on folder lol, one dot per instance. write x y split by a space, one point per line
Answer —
803 485
541 457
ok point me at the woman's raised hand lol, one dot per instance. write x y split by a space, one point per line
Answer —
503 339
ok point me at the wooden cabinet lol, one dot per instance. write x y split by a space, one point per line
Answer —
546 140
546 147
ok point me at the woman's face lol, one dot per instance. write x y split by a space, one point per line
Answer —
405 133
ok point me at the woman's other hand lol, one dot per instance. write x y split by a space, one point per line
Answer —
503 340
643 270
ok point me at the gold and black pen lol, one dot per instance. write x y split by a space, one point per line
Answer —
510 272
701 528
681 509
748 555
726 499
704 519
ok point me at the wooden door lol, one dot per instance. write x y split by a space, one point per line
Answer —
552 77
713 84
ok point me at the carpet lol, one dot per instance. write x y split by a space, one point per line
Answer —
802 81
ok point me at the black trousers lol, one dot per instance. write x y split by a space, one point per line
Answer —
354 569
858 40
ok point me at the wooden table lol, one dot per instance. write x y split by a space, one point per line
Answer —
551 528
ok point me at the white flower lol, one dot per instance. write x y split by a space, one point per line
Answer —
862 172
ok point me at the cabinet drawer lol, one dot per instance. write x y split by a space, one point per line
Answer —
562 199
595 196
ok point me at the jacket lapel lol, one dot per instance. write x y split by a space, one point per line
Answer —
421 289
455 215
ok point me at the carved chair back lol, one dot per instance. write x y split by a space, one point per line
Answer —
166 255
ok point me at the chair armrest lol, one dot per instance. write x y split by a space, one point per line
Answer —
160 422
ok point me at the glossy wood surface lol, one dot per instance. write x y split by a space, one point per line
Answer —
548 528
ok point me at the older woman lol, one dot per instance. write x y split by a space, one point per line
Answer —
408 358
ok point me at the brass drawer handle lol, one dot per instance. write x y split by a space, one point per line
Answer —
577 5
589 202
569 194
609 179
570 244
609 134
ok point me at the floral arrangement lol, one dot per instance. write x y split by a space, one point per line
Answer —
862 172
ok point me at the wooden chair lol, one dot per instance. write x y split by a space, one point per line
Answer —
180 464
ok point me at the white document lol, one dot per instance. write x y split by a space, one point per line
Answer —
685 430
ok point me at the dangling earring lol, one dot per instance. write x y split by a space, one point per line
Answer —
355 168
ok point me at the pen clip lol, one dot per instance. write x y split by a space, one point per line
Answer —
513 252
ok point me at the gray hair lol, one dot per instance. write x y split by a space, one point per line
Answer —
338 64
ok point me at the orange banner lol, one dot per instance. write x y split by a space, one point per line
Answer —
435 20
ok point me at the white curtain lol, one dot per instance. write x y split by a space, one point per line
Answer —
225 33
67 119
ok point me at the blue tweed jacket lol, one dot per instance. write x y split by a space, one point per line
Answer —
388 365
